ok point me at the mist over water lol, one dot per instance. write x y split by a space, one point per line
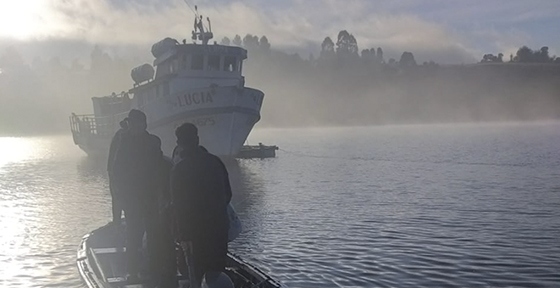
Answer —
394 206
332 88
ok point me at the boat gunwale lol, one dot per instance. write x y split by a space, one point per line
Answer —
91 279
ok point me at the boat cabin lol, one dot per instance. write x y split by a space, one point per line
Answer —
194 60
183 66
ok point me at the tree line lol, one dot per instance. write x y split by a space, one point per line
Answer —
524 55
342 85
342 53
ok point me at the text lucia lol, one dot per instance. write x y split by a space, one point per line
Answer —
194 98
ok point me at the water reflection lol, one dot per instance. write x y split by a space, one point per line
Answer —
92 169
19 149
46 206
248 191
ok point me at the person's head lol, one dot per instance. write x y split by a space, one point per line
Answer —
187 136
124 123
137 121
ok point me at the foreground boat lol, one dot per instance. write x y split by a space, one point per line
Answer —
100 262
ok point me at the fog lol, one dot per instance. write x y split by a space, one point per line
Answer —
357 90
337 83
56 55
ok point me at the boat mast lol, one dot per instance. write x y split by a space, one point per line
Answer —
199 32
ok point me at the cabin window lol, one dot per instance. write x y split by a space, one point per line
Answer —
214 62
230 64
197 62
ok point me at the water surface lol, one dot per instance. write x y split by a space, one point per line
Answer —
395 206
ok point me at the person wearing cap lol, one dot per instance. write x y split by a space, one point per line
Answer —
136 177
200 192
116 202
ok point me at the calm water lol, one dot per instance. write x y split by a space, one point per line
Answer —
409 206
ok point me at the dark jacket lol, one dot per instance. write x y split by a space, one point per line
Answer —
200 191
136 164
113 149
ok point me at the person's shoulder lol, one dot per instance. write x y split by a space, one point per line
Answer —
214 159
121 133
155 140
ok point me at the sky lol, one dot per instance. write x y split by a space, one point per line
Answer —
446 31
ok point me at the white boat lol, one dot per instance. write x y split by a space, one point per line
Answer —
199 83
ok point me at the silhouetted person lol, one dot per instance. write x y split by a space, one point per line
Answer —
176 154
135 173
200 190
165 255
116 201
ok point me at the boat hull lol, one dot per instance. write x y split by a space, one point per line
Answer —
224 116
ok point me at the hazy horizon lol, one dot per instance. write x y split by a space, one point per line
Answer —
47 48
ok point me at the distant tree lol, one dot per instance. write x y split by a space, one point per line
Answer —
251 42
264 45
225 41
392 61
237 41
492 58
327 46
372 53
346 45
365 54
368 56
431 63
327 50
311 58
380 55
524 54
407 60
542 55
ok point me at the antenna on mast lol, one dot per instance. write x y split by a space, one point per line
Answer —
199 32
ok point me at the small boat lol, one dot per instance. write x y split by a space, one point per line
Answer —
257 151
100 260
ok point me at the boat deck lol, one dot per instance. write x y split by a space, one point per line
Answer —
101 263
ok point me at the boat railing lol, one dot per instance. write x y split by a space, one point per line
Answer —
91 126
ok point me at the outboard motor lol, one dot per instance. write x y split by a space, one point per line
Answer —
216 280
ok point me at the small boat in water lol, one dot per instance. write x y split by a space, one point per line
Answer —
101 264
